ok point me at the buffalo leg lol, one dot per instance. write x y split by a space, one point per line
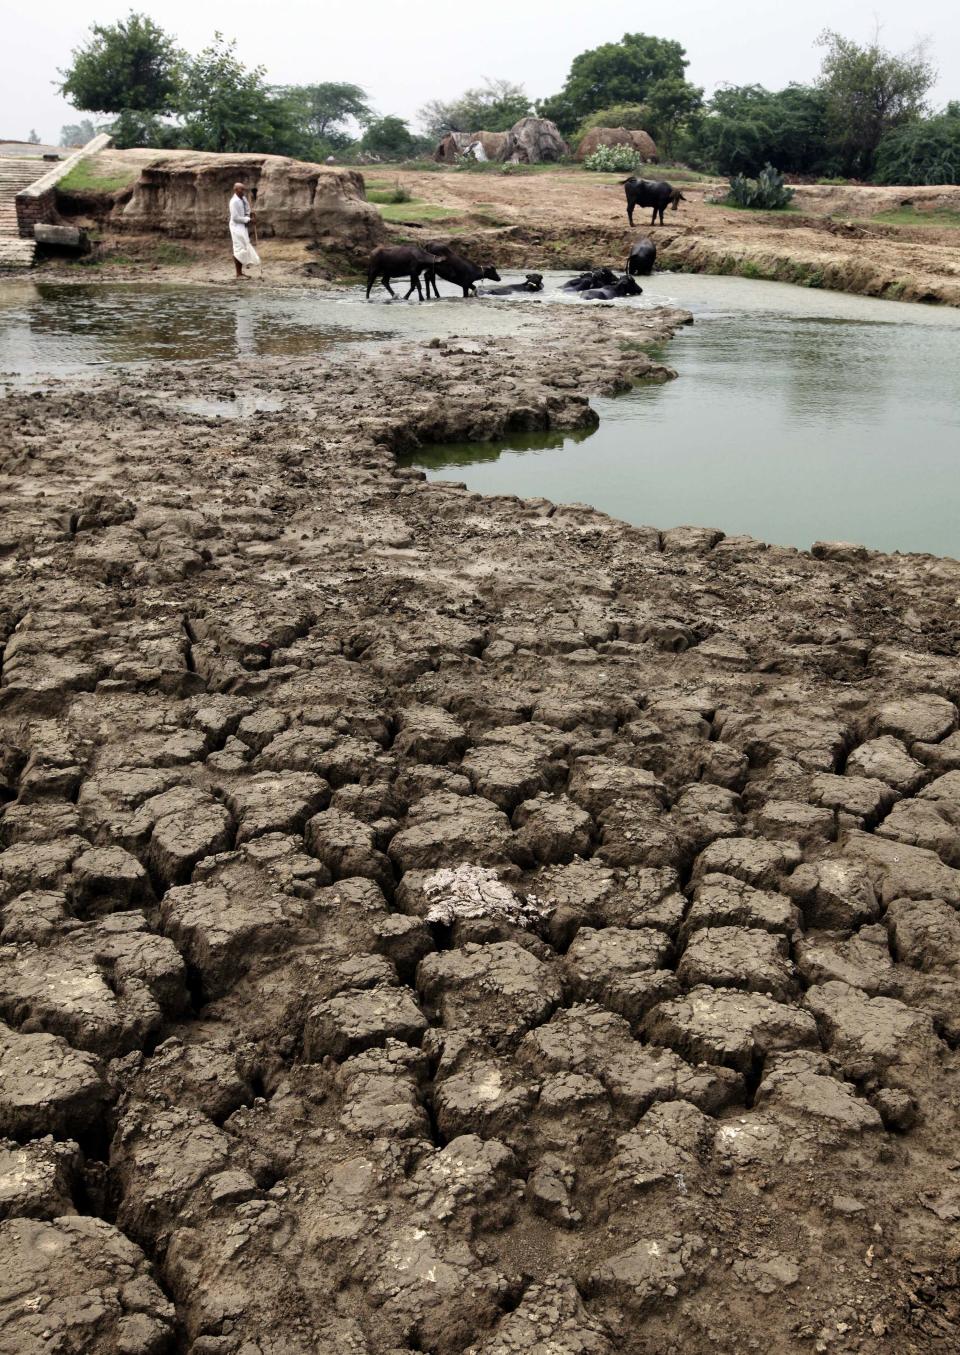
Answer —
630 213
386 282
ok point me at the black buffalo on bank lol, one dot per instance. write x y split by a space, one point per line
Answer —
649 193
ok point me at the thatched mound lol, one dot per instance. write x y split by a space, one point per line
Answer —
492 143
481 145
532 141
641 142
453 147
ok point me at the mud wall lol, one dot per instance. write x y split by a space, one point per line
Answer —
187 196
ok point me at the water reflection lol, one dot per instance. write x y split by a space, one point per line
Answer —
788 429
57 329
453 454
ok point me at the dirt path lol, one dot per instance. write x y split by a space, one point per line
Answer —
444 924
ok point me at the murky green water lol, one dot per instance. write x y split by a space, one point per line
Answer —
798 416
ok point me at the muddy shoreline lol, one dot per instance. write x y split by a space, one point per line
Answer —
443 923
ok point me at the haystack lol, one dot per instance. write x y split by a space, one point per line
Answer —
453 147
492 143
641 142
532 141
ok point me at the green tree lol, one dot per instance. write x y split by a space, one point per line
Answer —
559 109
869 91
324 110
390 138
129 65
634 117
619 72
493 107
228 107
748 126
922 152
78 133
674 104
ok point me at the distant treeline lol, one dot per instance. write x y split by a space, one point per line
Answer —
866 116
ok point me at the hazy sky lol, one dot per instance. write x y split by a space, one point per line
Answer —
390 50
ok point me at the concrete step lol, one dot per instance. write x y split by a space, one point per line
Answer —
17 253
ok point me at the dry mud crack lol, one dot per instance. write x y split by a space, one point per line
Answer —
444 924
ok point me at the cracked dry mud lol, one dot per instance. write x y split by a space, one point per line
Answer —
435 923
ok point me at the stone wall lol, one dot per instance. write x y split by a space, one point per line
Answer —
38 203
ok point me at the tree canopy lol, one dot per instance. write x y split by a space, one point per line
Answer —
869 91
621 72
325 109
389 137
748 126
493 107
228 107
130 65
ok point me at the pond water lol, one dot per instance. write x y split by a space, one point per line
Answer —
798 414
51 329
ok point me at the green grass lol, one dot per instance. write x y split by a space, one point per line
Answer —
909 216
400 212
166 251
83 178
389 193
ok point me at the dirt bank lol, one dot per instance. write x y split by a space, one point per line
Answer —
897 243
434 923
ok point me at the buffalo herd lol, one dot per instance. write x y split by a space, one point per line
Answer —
439 260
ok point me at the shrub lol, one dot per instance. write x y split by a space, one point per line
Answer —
924 152
766 193
614 159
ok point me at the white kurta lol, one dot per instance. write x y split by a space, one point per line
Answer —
243 251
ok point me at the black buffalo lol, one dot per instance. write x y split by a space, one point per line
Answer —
646 193
643 255
397 261
597 277
453 267
624 286
532 283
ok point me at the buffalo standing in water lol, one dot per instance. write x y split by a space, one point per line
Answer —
647 193
453 267
643 255
397 261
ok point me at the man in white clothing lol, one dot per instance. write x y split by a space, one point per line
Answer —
243 251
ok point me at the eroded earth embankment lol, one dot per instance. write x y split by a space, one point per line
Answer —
434 923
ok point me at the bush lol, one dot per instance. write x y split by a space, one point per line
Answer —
766 193
397 194
635 117
924 152
614 159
